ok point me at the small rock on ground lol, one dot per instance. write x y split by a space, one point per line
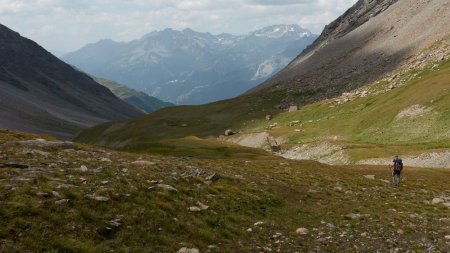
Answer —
62 201
167 187
302 231
187 250
436 201
372 177
259 223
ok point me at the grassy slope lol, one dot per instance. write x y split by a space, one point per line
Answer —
368 126
158 131
365 126
343 210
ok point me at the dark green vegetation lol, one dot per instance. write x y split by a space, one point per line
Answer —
135 98
115 203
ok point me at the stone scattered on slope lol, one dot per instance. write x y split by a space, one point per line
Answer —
188 250
202 206
259 223
105 159
143 163
436 201
98 198
62 201
101 198
194 209
83 168
372 177
229 132
302 231
56 194
167 187
353 216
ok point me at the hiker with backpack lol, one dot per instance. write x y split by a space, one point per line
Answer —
397 168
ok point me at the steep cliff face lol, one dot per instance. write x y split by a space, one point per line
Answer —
40 93
368 42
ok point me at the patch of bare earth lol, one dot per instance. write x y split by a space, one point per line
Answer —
425 160
412 112
324 152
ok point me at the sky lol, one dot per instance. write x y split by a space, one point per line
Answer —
63 26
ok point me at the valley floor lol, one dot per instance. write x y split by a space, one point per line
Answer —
64 197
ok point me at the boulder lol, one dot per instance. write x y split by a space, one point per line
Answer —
436 201
293 108
302 231
229 132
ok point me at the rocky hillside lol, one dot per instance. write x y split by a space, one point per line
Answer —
367 43
140 100
188 67
62 197
40 93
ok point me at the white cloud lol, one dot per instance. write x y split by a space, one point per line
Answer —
65 25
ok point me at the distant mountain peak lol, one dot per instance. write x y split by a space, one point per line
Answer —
213 67
278 31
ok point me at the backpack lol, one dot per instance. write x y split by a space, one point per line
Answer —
398 164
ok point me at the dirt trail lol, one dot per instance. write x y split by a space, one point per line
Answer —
425 160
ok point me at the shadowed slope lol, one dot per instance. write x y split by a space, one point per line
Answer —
40 93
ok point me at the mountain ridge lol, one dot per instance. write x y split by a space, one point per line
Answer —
140 100
190 67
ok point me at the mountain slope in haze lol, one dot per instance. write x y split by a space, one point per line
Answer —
188 67
368 42
135 98
40 93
